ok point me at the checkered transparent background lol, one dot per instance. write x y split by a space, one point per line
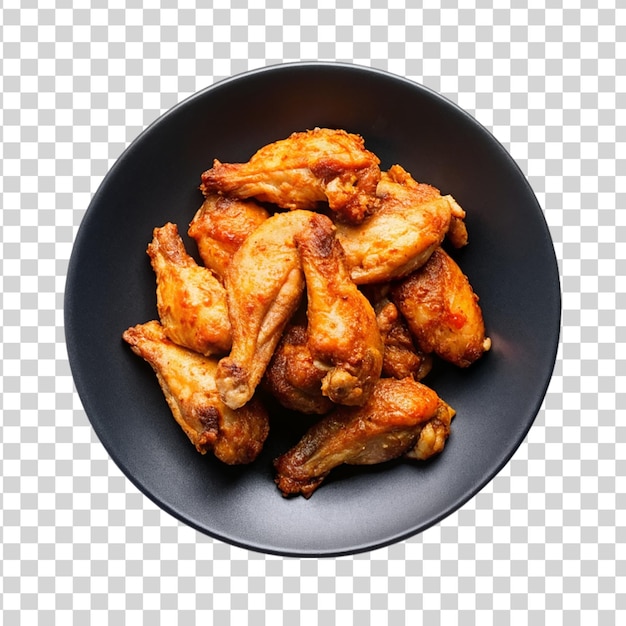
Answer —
544 542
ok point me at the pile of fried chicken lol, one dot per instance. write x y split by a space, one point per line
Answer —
324 282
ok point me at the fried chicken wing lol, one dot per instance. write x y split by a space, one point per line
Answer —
191 301
411 221
442 311
293 377
401 357
344 339
220 226
187 380
306 168
264 284
386 427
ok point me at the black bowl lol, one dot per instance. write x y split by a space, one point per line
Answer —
510 261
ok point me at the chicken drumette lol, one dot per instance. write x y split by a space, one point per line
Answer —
187 380
411 221
442 311
191 301
388 426
344 339
306 168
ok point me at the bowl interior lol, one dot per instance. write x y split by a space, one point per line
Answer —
510 262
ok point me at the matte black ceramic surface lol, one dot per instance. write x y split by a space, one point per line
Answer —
510 261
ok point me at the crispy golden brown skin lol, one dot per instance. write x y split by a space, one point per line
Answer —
306 168
295 380
344 339
401 358
292 376
191 301
220 226
188 383
386 427
442 311
264 285
411 221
